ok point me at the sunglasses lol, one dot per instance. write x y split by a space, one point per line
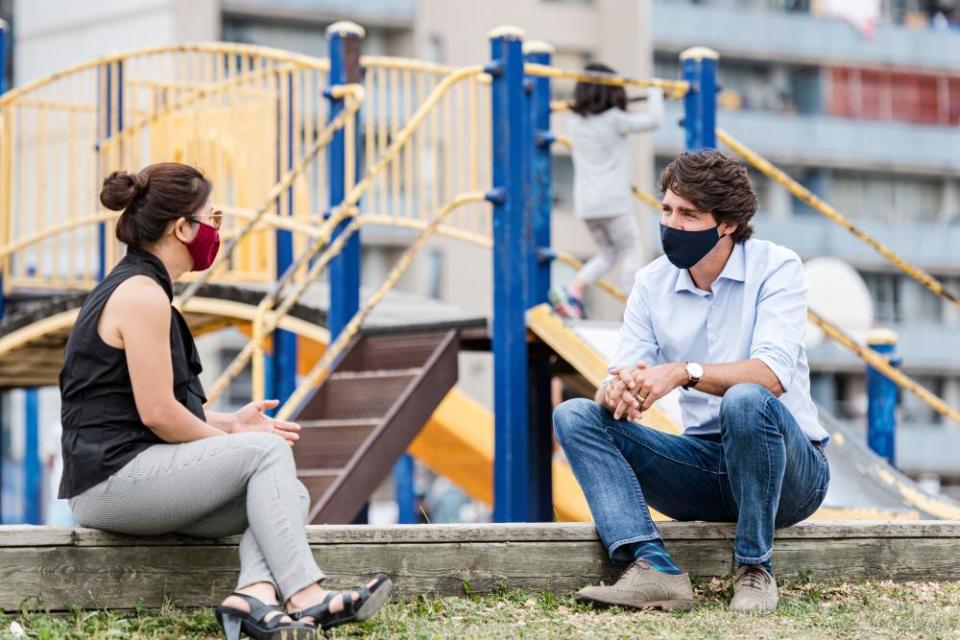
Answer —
213 217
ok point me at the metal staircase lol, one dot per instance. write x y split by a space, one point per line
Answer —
363 417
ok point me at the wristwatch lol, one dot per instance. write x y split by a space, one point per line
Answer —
694 374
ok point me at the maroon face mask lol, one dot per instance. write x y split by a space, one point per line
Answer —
204 246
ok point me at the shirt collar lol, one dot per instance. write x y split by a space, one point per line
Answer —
735 269
685 282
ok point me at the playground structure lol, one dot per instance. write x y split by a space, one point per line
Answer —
304 154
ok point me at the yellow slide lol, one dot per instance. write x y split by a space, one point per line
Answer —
547 326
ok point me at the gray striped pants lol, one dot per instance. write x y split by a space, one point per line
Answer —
618 241
214 487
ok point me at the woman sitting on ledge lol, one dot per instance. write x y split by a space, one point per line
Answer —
143 457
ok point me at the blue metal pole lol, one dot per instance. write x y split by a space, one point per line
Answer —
537 244
106 76
3 56
699 66
882 398
511 482
537 233
109 118
344 40
3 398
32 468
403 486
284 361
3 89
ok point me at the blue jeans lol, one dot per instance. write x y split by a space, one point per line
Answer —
762 472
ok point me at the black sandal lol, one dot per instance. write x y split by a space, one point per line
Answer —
370 600
254 622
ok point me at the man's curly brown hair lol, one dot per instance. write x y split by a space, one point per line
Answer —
715 184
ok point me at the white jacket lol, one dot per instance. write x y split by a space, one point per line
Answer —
601 157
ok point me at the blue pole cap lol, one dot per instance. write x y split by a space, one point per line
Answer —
880 336
507 31
538 46
699 53
346 29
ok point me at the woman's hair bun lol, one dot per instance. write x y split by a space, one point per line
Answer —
121 188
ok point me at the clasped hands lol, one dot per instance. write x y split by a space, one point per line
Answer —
633 390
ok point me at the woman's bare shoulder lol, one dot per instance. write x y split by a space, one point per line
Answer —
140 296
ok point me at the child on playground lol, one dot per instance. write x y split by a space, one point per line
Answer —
602 198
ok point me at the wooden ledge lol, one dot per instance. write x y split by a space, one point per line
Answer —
68 566
47 536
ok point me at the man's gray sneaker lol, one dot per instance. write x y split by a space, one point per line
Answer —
643 587
755 590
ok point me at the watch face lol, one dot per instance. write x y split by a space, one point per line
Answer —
694 370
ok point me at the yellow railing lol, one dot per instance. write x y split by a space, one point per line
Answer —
387 165
353 95
322 368
673 89
243 114
255 120
447 153
767 168
403 138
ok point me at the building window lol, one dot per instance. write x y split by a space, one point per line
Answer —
894 95
920 304
886 197
241 387
754 86
436 51
885 291
899 299
308 38
950 313
915 410
434 273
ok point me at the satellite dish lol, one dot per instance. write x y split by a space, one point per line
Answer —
838 293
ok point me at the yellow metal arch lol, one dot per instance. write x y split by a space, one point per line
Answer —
268 53
231 309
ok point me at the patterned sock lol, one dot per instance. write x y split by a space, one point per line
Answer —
768 565
656 555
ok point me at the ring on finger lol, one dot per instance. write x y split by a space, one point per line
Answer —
640 398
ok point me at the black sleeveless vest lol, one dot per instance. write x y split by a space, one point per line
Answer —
102 430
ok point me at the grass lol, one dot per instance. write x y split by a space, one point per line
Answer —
807 610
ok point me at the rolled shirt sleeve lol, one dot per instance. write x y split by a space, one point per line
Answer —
637 341
781 320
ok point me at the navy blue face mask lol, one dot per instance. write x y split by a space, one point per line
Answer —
686 248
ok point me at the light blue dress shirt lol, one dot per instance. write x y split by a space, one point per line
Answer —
757 309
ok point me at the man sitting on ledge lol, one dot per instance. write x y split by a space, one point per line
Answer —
721 316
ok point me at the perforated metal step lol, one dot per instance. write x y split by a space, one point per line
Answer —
363 417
